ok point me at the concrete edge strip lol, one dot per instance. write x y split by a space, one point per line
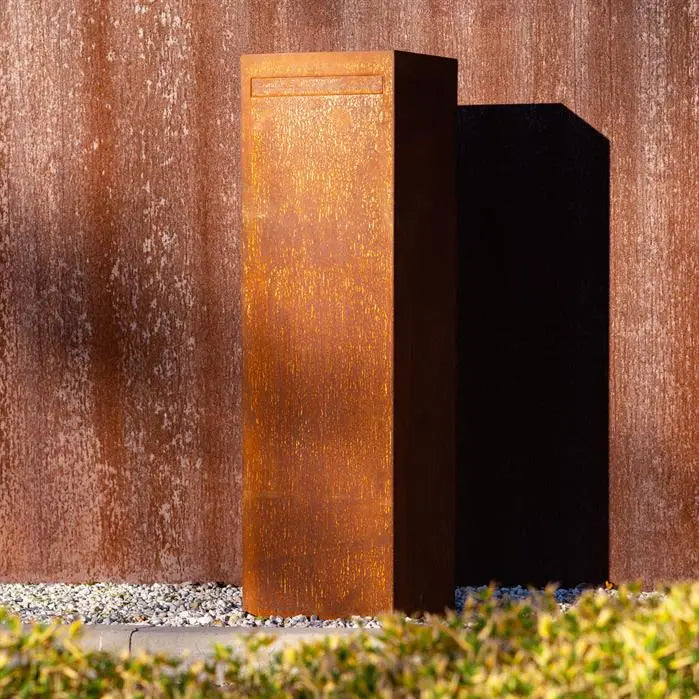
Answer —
194 641
198 642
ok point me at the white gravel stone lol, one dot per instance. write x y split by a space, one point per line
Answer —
185 604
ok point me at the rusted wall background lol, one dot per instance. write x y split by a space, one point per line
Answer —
119 215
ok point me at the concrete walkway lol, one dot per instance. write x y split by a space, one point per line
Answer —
196 641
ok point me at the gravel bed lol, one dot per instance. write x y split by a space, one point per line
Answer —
185 604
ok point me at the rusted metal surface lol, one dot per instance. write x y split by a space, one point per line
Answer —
317 337
655 293
170 69
333 462
118 397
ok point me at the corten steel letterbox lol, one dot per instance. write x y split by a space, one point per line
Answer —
348 305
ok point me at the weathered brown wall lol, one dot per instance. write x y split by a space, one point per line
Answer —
119 395
119 308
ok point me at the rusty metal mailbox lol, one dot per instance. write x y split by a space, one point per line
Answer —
348 326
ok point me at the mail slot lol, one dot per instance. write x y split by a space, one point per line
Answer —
348 332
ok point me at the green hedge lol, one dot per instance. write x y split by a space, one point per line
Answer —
604 646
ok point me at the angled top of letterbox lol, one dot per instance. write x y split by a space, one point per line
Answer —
333 55
321 62
341 72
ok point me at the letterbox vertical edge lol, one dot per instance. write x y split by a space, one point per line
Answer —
425 332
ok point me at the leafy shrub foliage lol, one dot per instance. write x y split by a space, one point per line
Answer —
607 645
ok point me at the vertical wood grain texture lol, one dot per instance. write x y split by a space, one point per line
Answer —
119 245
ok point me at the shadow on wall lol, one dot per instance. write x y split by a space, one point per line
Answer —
533 346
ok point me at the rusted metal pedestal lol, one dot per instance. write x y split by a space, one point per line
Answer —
348 332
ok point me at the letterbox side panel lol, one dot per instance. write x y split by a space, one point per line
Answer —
317 333
425 334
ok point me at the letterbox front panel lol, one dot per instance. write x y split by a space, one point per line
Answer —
317 153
